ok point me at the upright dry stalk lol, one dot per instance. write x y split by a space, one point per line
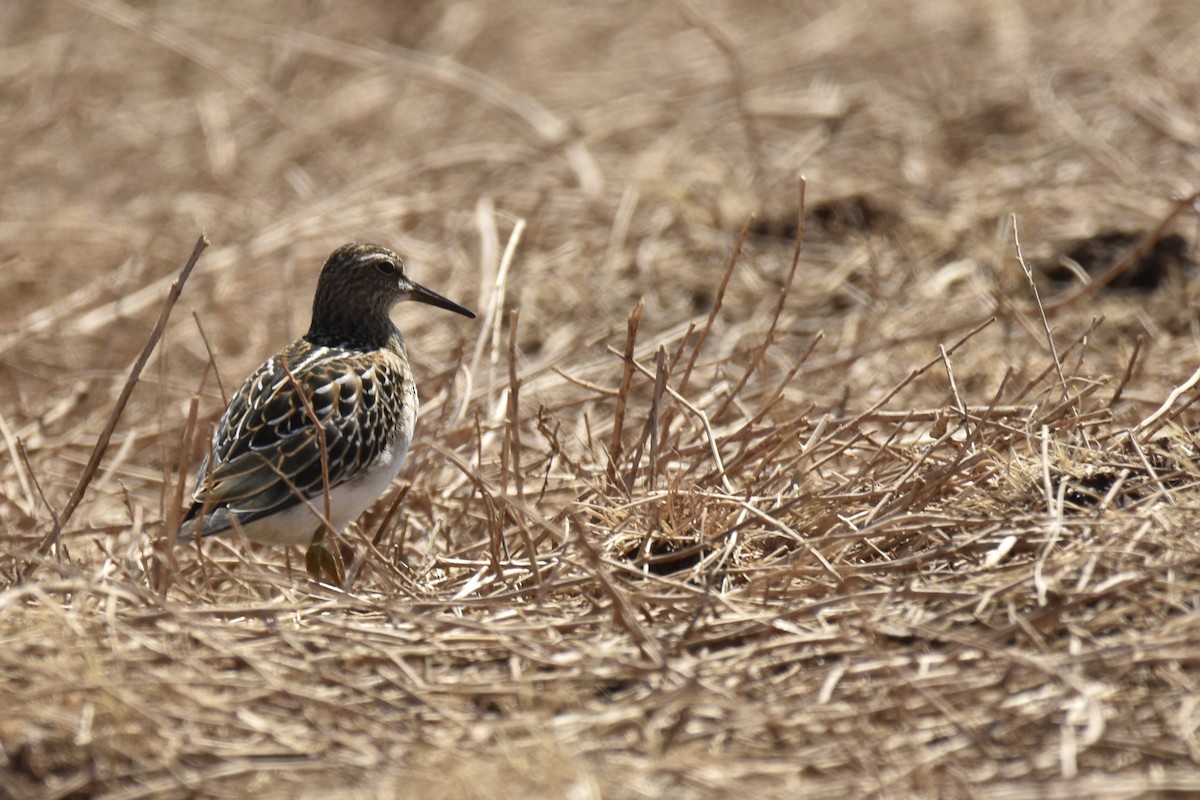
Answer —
614 448
53 540
514 407
769 338
1062 379
716 306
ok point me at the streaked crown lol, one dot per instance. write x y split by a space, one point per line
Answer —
358 286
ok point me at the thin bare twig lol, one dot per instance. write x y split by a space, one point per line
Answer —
718 299
769 337
53 538
1128 374
1062 379
615 446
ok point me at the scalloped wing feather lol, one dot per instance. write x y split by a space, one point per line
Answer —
266 452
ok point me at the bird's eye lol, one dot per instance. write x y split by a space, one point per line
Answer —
386 267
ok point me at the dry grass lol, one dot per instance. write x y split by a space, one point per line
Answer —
687 514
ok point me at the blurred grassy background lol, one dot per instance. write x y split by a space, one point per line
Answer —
634 141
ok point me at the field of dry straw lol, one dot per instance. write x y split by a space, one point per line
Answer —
883 482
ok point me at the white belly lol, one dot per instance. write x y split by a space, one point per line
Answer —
297 524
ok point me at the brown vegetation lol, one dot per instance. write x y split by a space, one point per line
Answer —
888 489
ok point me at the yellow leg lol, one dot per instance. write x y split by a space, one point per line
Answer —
320 561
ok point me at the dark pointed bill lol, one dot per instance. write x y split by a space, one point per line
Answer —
423 295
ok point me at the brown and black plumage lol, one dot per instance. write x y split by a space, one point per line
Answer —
337 407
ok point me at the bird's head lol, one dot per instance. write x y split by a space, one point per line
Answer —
358 286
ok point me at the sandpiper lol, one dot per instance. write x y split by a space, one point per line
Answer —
319 431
